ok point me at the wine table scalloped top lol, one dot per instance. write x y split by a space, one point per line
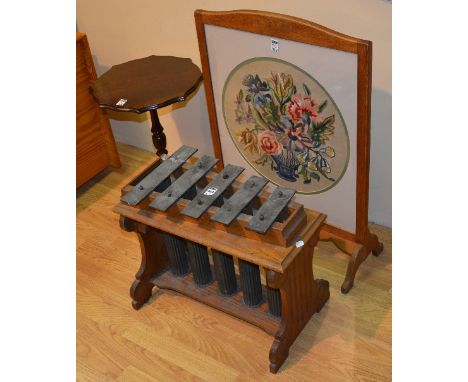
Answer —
147 83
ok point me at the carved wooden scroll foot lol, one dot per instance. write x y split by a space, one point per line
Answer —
153 260
301 297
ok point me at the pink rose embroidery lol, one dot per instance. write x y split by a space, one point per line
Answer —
269 143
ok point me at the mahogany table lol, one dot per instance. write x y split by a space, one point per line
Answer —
147 84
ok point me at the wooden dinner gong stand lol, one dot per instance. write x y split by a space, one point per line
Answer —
188 246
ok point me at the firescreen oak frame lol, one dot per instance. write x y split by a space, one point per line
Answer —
361 242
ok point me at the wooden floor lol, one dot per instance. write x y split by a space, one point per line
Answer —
175 339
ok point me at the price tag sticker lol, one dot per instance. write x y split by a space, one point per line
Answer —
121 102
275 45
211 191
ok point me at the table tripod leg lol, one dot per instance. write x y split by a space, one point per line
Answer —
159 138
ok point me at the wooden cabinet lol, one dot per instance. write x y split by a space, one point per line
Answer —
95 144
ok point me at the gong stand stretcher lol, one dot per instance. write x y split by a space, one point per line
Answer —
194 225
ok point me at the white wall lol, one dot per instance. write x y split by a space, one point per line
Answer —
119 31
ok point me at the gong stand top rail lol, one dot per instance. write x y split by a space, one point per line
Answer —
193 191
213 209
269 256
210 176
280 233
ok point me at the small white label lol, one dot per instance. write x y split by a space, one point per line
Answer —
121 102
299 244
210 191
274 45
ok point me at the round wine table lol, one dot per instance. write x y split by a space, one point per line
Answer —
147 84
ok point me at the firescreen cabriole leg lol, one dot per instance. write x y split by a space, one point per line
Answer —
358 256
374 244
153 260
358 253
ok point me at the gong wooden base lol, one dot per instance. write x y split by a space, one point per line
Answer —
301 296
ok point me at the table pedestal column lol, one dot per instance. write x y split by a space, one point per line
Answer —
159 138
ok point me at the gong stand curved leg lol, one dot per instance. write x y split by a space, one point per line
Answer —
301 297
153 260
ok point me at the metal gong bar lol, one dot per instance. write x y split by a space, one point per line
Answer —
270 210
274 301
158 175
225 273
199 263
250 283
212 191
237 202
187 180
177 254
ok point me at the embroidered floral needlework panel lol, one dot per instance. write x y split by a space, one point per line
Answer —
285 124
317 68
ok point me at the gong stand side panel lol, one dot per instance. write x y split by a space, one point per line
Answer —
357 242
